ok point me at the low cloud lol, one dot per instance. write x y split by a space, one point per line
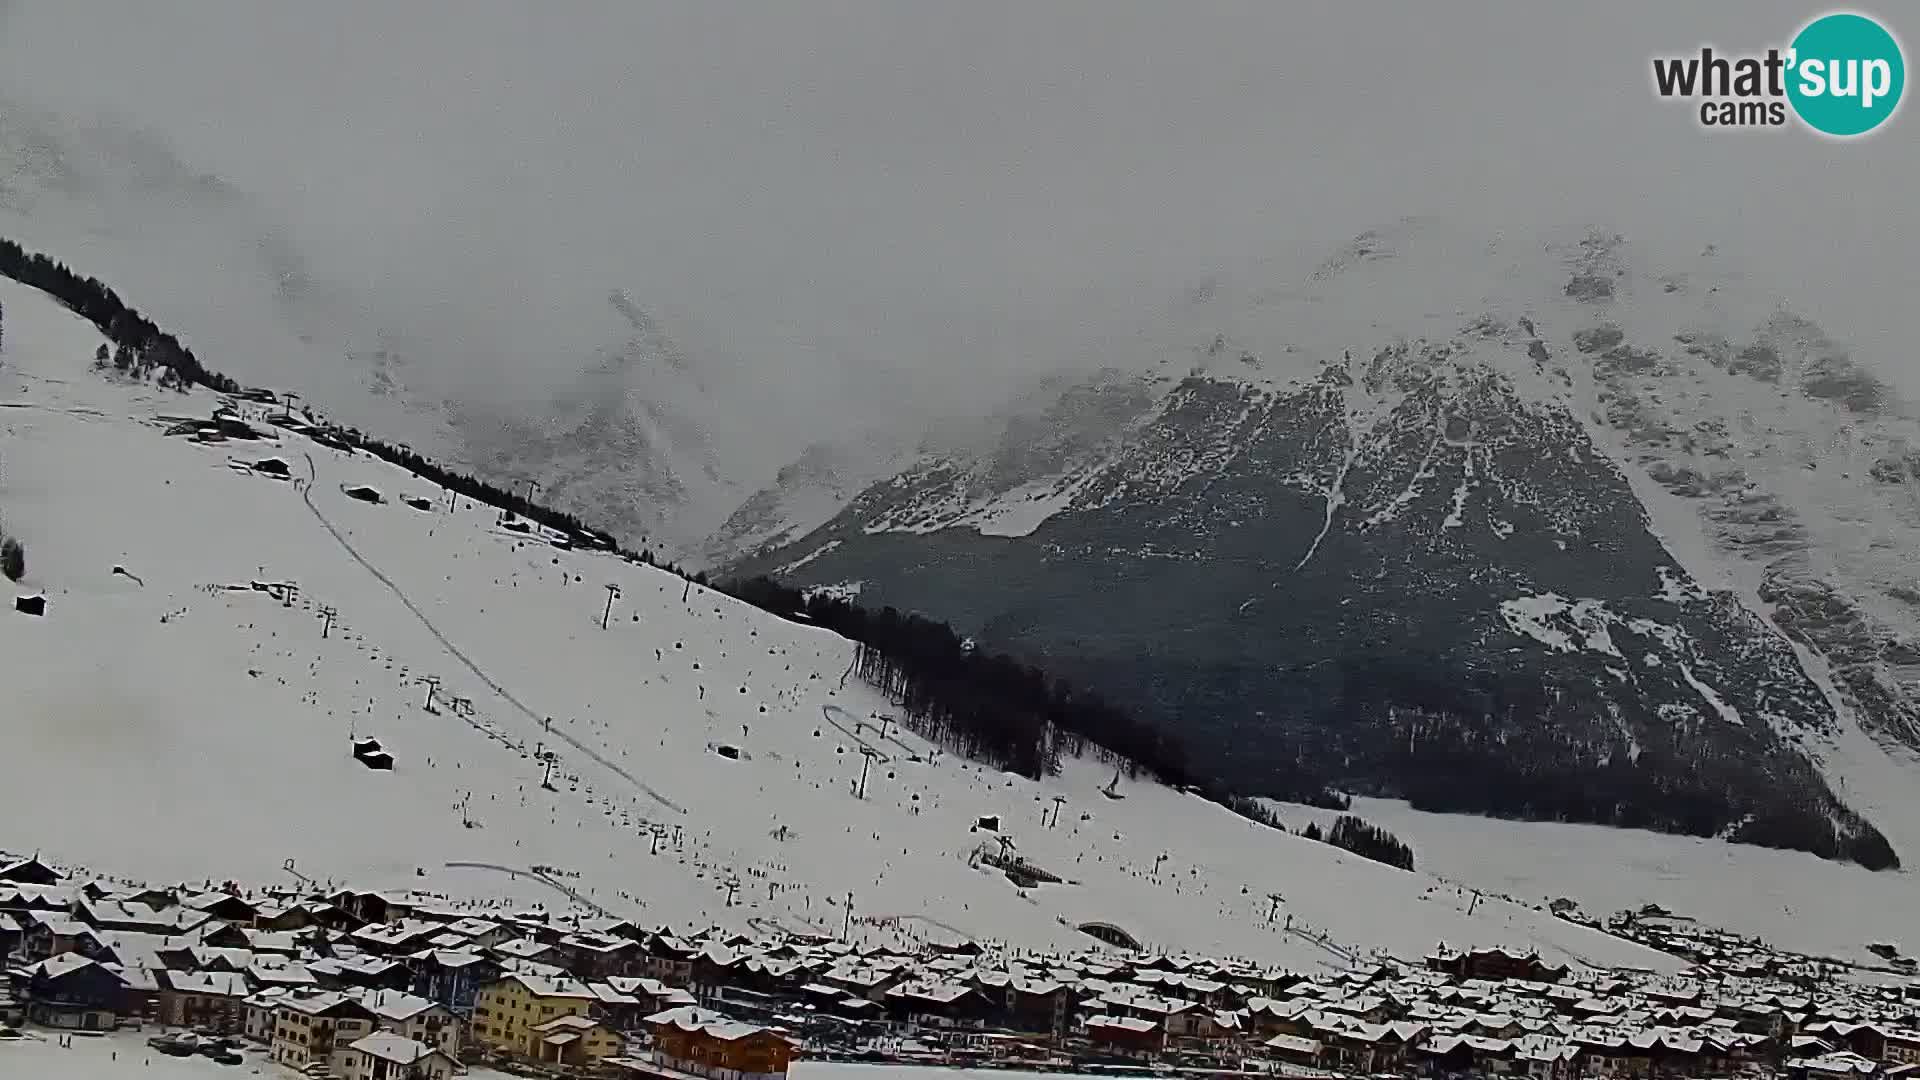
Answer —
841 211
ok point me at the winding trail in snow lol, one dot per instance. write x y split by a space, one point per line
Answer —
827 711
928 919
306 496
1341 952
518 871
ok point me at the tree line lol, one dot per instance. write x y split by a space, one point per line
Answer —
1367 841
13 556
1507 744
1778 801
1354 834
91 299
985 705
140 347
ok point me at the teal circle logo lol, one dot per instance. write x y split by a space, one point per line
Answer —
1847 74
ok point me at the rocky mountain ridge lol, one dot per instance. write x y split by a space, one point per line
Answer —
1391 530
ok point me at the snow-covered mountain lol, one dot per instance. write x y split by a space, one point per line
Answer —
218 630
610 414
627 445
1552 528
1050 423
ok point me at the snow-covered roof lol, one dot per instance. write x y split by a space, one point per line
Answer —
55 967
271 973
390 1047
213 983
1134 1024
691 1018
395 1004
554 986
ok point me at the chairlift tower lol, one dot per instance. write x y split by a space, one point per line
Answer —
867 753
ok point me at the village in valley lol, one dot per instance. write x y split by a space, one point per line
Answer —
379 985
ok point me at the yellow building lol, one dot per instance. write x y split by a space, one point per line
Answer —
506 1012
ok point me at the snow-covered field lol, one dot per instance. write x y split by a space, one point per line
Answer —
1790 899
844 1070
105 1058
126 1055
164 725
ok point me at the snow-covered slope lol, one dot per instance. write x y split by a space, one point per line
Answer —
174 722
615 418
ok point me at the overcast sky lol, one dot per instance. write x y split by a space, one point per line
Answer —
917 193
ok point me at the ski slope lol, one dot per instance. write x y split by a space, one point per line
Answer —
1789 899
173 722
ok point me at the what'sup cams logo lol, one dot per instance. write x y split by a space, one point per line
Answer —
1841 76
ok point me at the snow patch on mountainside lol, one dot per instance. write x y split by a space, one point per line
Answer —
845 590
823 549
1561 624
1712 697
1573 625
1021 512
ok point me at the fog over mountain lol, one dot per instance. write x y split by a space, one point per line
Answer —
838 216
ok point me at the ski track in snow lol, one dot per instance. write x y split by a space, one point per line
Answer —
514 871
306 495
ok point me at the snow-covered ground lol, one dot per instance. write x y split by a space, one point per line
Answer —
166 725
846 1070
1790 899
126 1055
109 1057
